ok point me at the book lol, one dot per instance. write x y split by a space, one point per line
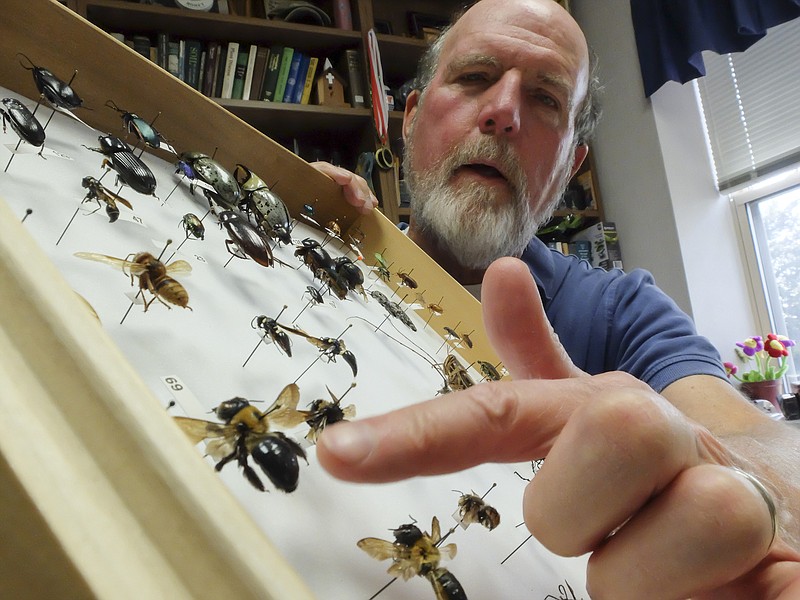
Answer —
223 55
291 78
350 68
182 60
272 72
239 73
162 44
300 80
310 75
259 70
604 241
141 43
191 68
283 73
201 79
342 15
229 71
173 57
210 71
582 249
612 245
248 74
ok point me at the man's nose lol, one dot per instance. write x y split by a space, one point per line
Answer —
500 113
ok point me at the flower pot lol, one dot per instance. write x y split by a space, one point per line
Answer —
763 390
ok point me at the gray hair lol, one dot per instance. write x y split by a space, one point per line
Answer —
588 113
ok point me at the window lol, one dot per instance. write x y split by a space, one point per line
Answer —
751 105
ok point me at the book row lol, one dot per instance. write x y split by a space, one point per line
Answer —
231 70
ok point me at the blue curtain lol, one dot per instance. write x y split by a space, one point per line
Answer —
671 34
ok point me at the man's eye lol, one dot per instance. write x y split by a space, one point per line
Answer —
473 77
546 99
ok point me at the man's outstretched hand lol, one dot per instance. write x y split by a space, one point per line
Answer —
627 477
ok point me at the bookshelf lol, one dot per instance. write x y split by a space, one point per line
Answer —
315 131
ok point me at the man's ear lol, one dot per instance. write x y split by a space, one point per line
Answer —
581 151
412 101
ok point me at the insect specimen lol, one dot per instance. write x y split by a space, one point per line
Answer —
98 192
489 371
247 432
193 226
58 93
272 329
265 205
394 309
416 553
322 413
154 276
22 121
473 509
328 346
352 274
144 131
407 281
130 169
218 184
247 238
455 374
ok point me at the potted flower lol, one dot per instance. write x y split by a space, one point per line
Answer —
769 359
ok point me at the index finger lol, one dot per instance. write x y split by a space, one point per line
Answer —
506 421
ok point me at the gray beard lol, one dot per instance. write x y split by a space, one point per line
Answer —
470 220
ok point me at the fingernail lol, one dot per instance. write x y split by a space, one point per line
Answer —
370 202
350 442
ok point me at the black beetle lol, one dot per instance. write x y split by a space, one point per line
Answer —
218 184
58 93
131 170
22 121
247 237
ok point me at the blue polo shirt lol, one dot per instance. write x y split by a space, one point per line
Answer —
616 321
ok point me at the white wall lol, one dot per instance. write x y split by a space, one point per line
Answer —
656 184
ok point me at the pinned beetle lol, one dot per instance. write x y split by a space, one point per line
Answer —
58 93
144 131
246 237
218 185
193 226
265 205
22 121
131 170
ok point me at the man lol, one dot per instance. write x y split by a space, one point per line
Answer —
664 490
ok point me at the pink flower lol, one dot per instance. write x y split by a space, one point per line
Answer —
730 368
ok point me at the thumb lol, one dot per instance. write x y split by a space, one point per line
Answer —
517 326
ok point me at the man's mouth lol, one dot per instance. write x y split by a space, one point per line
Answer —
481 169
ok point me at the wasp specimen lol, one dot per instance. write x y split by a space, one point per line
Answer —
246 432
154 276
456 376
322 413
193 226
272 328
98 192
416 553
328 346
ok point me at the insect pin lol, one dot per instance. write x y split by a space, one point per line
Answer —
270 330
246 432
414 552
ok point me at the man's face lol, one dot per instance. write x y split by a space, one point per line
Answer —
489 147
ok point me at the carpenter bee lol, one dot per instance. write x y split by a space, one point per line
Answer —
97 192
322 413
416 553
246 432
473 509
193 226
154 276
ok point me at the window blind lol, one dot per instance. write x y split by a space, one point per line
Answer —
751 103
